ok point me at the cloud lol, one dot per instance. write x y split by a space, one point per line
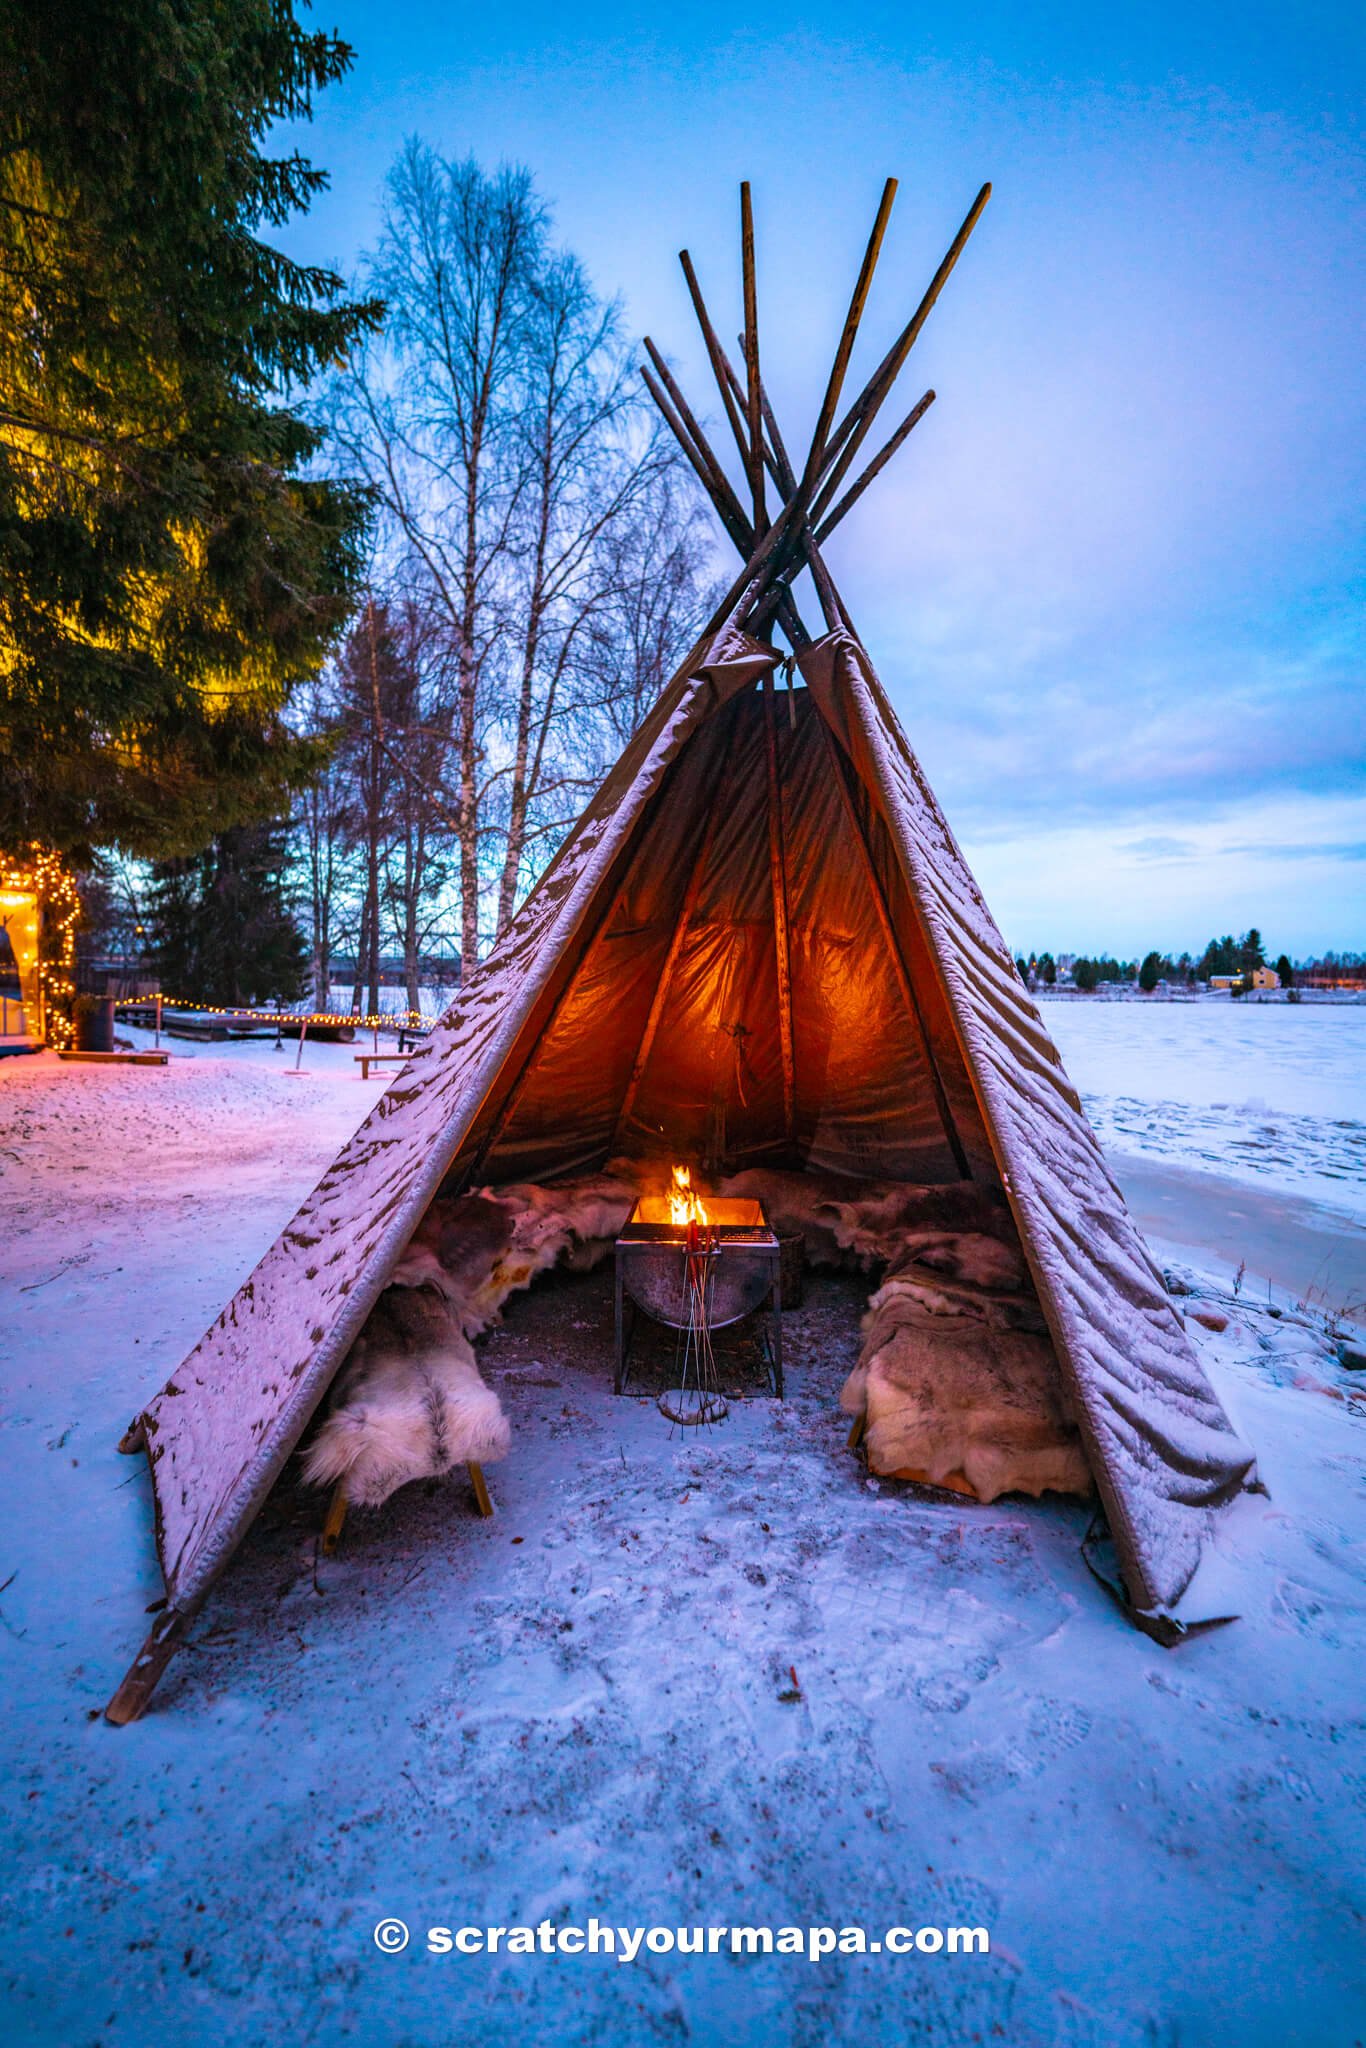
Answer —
1306 849
1159 848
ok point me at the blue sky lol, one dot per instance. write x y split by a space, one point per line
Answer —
1114 581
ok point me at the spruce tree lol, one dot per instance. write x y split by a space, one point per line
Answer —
171 564
1150 973
222 924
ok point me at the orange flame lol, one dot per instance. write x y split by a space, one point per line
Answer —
685 1207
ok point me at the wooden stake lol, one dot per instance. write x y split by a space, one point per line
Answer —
481 1492
336 1516
146 1668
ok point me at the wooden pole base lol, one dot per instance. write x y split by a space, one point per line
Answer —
336 1516
128 1702
481 1492
856 1433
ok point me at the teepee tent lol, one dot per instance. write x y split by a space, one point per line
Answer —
761 943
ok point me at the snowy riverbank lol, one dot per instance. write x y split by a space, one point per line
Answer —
587 1705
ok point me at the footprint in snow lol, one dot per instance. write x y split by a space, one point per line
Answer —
1053 1727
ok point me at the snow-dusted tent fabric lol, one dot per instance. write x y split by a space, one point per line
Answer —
1161 1449
760 944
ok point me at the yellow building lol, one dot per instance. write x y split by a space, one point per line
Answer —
38 911
1260 977
21 1006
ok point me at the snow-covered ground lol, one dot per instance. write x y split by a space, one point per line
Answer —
672 1682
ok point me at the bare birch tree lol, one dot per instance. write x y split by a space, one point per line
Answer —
591 458
429 415
322 831
533 530
659 586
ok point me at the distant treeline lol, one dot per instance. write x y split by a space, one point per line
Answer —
1225 956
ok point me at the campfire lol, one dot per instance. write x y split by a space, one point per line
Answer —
695 1263
669 1215
685 1205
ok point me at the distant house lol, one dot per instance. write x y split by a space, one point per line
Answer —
1260 977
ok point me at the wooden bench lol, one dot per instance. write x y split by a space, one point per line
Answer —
366 1060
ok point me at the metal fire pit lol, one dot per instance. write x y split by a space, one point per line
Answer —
651 1275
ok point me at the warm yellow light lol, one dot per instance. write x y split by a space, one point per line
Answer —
685 1206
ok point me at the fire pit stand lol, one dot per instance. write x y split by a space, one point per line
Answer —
651 1277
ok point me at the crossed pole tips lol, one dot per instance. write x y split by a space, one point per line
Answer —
775 551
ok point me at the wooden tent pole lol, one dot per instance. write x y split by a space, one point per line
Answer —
756 431
783 473
899 967
785 477
710 475
825 526
715 355
816 455
777 862
682 422
769 561
790 518
849 435
514 1094
795 510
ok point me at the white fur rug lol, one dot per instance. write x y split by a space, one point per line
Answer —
957 1383
408 1404
958 1386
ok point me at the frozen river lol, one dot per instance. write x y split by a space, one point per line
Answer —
1305 1059
1269 1094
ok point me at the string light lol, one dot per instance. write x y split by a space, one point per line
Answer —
406 1020
45 876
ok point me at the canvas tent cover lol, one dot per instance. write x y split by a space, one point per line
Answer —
554 1021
